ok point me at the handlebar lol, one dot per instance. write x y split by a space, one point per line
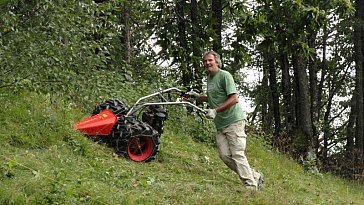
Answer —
138 105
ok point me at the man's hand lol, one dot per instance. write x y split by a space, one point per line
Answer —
193 93
211 113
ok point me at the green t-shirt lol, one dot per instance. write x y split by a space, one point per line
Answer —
219 87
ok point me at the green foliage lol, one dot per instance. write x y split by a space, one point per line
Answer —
49 45
71 52
188 123
182 32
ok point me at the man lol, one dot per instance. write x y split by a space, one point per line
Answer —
228 116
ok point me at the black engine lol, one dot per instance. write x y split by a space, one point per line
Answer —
155 116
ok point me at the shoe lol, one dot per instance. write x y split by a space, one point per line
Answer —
260 181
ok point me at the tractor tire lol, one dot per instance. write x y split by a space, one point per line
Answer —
118 107
135 140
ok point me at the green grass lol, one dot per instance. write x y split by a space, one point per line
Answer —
44 161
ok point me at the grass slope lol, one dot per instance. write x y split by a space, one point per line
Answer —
44 161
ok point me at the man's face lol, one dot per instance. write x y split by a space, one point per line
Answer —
210 64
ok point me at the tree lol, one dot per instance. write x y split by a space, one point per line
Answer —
358 38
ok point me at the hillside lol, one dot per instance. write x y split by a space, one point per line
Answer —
44 161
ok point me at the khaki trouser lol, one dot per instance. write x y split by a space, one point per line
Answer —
231 144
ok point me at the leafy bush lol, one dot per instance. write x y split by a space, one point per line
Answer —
52 46
186 123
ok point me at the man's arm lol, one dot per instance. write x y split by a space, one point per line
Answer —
230 101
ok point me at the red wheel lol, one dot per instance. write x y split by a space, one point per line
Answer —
135 140
140 148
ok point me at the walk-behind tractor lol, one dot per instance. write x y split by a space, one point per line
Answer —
134 132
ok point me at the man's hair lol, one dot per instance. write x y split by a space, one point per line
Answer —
216 55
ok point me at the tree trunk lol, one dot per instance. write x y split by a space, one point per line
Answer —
303 140
274 94
350 133
266 104
196 53
217 25
182 40
127 32
326 126
287 94
360 8
359 79
315 107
